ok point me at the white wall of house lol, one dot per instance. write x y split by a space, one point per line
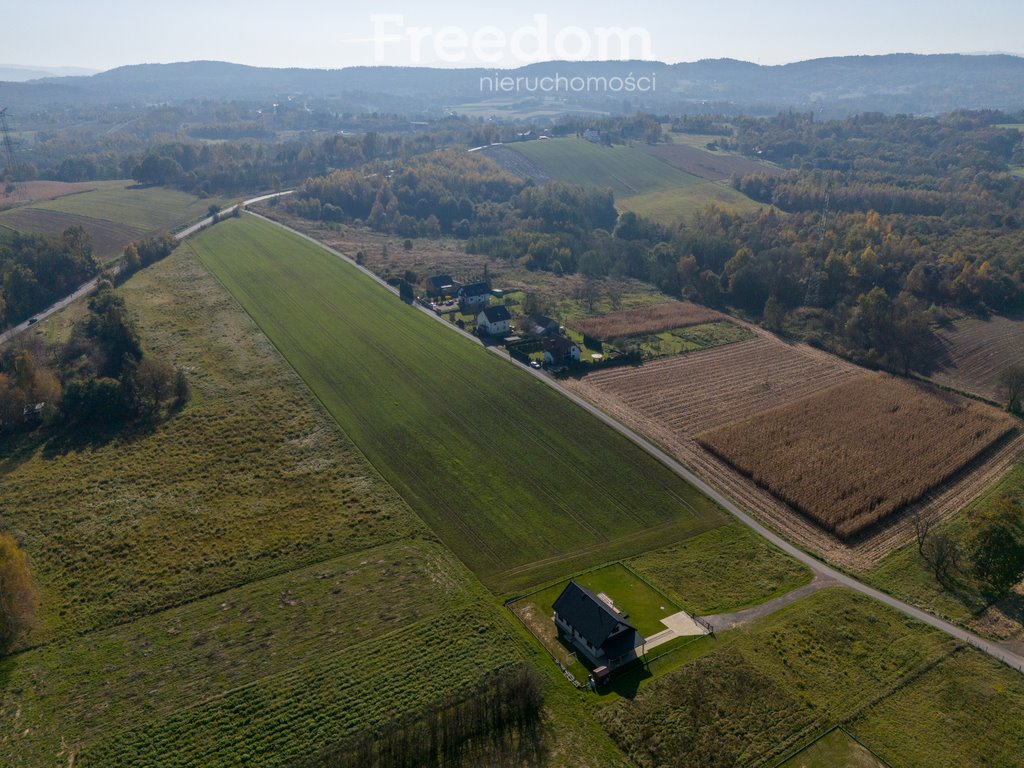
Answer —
500 328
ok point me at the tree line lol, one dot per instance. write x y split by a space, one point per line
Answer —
100 378
38 269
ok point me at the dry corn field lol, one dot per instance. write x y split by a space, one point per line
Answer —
663 317
672 400
857 452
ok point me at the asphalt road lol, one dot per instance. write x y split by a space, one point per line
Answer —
88 286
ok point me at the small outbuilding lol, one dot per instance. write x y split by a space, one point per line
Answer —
592 626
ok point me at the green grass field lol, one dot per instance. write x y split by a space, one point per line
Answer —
641 183
679 203
727 569
965 711
837 749
827 659
144 674
905 574
114 214
689 339
145 208
627 170
253 478
239 585
643 605
522 484
1018 172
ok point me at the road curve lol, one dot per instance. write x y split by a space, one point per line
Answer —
822 570
89 285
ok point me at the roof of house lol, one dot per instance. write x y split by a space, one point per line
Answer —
496 313
558 345
475 289
440 281
595 620
542 321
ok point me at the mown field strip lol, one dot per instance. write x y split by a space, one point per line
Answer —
504 469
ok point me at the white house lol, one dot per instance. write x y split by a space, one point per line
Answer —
559 350
474 295
494 321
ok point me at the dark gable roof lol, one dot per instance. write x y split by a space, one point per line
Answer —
594 619
440 281
496 313
558 346
475 289
543 321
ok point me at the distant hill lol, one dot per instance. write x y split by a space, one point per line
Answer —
18 73
833 86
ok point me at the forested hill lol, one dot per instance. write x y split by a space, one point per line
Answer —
897 83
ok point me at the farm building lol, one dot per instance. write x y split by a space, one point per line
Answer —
595 628
494 321
474 295
559 350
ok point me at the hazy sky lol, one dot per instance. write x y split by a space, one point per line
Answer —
312 33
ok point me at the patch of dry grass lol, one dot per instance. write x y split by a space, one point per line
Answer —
661 317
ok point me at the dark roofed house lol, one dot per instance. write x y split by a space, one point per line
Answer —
595 628
539 325
494 321
440 285
474 295
559 350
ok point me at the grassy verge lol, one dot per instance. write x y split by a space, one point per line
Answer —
906 575
521 483
726 569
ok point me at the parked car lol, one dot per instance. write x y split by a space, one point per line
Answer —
534 364
33 320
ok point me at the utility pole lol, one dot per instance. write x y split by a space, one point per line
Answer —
10 184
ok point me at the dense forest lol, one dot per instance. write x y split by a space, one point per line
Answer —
39 269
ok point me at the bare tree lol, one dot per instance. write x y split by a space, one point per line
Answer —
942 553
922 527
1011 387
